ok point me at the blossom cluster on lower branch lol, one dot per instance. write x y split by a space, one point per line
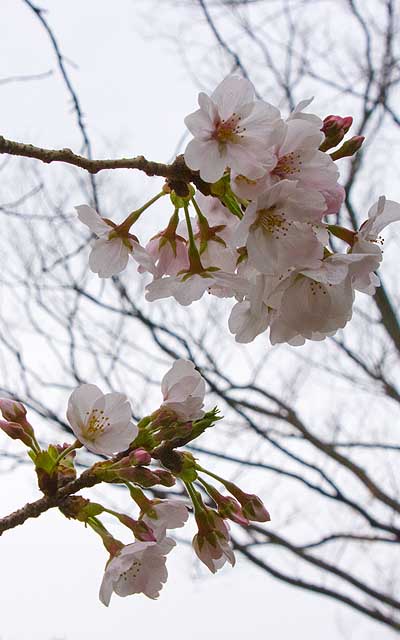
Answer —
263 234
138 457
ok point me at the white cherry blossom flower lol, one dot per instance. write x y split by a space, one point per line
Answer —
139 567
298 157
274 232
166 514
110 252
312 309
183 390
231 129
214 549
102 422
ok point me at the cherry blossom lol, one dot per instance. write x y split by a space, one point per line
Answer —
183 390
212 546
298 157
312 309
166 514
231 129
102 422
139 567
274 232
110 252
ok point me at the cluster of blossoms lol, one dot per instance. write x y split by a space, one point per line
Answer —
140 456
261 234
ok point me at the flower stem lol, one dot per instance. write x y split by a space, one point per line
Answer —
194 256
197 504
131 219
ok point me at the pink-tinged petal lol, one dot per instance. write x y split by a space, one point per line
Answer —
242 160
208 157
381 214
80 404
300 134
183 390
245 324
200 123
334 198
192 289
143 258
170 514
108 257
181 369
91 218
261 117
232 94
241 232
298 113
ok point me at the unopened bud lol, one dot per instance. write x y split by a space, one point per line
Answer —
348 148
140 456
335 128
254 509
12 410
165 477
333 124
140 475
16 432
252 506
228 507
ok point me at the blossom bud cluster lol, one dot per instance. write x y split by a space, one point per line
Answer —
132 456
262 238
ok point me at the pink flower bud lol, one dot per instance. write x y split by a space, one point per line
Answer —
228 507
16 432
335 128
140 456
165 477
253 508
334 124
140 475
12 410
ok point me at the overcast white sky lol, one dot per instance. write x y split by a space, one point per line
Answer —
135 92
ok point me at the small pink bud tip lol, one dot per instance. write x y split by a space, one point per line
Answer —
12 410
15 431
140 456
336 124
253 509
348 148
